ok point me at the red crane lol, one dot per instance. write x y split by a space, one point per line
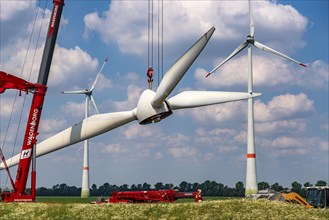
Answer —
38 89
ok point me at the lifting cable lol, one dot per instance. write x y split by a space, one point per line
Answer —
22 71
150 45
150 71
160 40
32 63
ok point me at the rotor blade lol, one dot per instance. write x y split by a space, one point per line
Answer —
251 21
94 84
266 48
88 128
178 70
94 103
235 52
192 99
75 92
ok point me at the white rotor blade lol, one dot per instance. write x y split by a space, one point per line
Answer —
251 21
94 103
177 71
94 84
88 128
268 49
75 92
235 52
192 99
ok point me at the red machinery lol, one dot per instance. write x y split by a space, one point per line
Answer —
39 89
151 196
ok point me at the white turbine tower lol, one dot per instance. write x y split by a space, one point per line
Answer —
251 176
85 191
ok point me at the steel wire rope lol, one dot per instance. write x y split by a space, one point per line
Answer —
152 24
159 37
162 9
0 96
32 63
24 99
160 41
150 42
148 33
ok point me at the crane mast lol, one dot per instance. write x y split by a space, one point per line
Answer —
38 89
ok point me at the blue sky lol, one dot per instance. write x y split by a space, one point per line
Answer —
291 117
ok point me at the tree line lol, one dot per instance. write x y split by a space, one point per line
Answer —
209 188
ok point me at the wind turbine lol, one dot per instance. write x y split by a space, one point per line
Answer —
85 191
251 176
152 106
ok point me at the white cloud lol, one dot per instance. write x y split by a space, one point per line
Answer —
17 18
74 109
103 83
51 124
274 127
268 71
9 9
133 94
284 146
71 66
129 27
284 106
324 146
232 111
177 140
316 76
241 137
158 156
132 77
286 142
216 136
227 149
114 149
208 156
8 106
182 152
136 130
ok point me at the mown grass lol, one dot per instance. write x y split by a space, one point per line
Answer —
64 199
215 209
76 199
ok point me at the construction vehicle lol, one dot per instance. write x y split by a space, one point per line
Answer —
318 196
283 196
150 196
8 81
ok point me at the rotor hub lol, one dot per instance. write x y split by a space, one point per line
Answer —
146 113
250 39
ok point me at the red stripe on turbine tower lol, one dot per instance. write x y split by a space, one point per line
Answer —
251 155
85 168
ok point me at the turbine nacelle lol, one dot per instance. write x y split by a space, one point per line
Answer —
145 111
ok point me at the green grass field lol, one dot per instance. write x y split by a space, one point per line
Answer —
76 199
71 208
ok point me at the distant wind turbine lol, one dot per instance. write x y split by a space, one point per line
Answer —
85 192
251 177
